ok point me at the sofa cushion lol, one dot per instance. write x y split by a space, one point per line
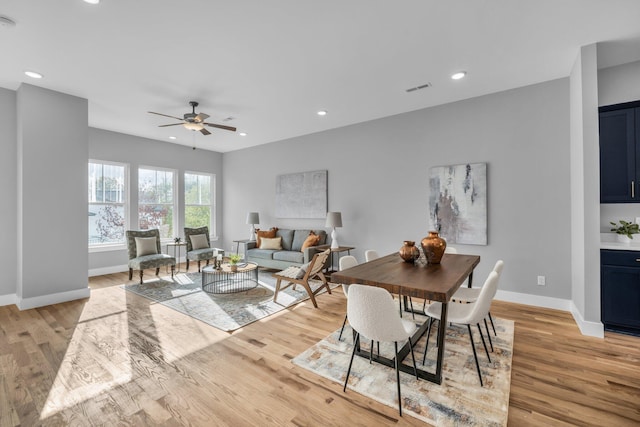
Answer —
299 236
199 241
289 256
268 243
146 246
265 233
312 240
287 238
323 236
261 253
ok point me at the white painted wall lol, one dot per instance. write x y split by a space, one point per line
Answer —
52 197
136 151
378 179
8 189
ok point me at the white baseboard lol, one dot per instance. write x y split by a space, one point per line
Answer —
108 270
592 329
535 300
33 302
8 299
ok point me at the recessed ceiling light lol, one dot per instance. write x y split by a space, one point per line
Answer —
92 1
458 75
242 134
322 113
33 74
172 137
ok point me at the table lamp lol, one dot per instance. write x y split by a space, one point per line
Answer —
334 220
253 218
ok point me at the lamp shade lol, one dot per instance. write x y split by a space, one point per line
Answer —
334 219
253 218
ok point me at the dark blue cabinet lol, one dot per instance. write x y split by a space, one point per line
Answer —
620 291
619 156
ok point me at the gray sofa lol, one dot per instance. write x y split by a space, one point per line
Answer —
290 254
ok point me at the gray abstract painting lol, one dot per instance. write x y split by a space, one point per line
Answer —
302 195
458 203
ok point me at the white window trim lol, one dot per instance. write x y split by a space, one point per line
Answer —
107 247
213 232
176 197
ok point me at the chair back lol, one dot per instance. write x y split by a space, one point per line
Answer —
188 232
450 250
482 305
370 255
345 262
131 240
372 312
317 263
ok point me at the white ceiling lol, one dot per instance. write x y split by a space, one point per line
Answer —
272 64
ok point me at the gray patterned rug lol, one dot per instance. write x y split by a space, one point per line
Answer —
458 401
227 312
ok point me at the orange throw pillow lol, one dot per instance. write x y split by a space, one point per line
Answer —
312 240
270 234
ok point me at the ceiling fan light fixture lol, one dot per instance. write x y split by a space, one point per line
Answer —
33 74
193 126
242 134
458 75
322 113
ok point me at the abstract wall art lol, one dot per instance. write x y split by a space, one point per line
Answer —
458 203
302 195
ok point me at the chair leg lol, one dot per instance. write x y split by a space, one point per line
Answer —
483 342
492 325
130 273
412 313
157 271
141 273
395 343
275 293
488 334
198 266
371 352
311 295
413 357
353 353
343 323
173 270
187 264
475 356
426 346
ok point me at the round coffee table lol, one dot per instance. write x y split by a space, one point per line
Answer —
224 281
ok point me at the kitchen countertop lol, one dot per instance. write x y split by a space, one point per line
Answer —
609 241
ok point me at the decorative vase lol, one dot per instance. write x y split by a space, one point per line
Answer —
623 238
408 252
234 268
433 247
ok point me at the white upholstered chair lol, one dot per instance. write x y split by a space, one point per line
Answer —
372 314
370 255
466 314
345 262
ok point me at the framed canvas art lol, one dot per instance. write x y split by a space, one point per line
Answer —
458 203
302 195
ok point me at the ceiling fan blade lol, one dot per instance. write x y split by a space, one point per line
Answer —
205 132
173 124
213 125
166 115
201 117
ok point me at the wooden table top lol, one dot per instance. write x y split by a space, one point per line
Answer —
436 282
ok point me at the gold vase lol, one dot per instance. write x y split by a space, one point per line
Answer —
433 247
408 252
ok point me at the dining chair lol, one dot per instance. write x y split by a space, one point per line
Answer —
370 255
447 250
468 295
372 314
466 314
302 275
345 262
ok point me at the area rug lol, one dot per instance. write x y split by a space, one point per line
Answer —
227 312
458 401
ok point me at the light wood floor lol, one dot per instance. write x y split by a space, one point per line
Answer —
116 359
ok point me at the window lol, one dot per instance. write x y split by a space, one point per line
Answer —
108 203
157 200
198 201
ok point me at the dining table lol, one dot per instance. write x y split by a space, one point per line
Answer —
433 282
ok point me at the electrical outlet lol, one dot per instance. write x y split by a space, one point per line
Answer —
542 281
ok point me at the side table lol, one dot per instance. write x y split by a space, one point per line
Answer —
337 250
177 249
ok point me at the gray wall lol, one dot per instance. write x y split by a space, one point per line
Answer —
52 192
136 151
8 189
378 179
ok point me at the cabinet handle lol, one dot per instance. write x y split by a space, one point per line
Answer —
633 189
637 259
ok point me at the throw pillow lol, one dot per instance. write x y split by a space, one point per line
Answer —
262 233
303 270
268 243
199 241
312 240
146 246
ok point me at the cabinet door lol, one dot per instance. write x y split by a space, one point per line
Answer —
618 157
620 296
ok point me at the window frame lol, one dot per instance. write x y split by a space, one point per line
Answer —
176 196
213 234
104 247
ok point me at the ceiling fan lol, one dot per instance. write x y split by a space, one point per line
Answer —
195 122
